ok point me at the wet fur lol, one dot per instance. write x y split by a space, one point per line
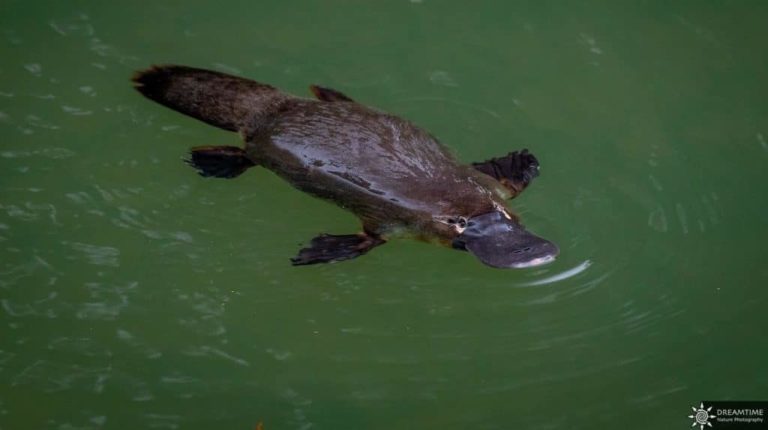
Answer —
395 176
218 99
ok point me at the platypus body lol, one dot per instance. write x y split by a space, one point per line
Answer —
397 178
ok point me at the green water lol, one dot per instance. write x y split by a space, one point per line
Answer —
136 294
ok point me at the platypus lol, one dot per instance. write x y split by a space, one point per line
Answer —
397 178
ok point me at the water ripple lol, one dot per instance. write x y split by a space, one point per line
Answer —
569 273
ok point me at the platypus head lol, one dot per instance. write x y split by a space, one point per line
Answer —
499 240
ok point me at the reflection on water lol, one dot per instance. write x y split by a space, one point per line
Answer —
135 294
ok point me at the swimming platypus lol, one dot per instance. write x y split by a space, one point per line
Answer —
397 178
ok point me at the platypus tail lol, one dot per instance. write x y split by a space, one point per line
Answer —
219 99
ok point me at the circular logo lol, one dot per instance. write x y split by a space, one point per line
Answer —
701 416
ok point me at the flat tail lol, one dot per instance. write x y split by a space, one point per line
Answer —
222 100
219 161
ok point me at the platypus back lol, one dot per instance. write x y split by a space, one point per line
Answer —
394 176
218 99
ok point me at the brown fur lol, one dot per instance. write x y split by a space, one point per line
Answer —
219 99
392 174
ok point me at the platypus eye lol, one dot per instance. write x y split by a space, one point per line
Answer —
459 221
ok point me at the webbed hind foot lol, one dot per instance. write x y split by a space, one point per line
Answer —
219 161
328 248
328 94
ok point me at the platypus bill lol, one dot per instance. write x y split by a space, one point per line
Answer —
396 177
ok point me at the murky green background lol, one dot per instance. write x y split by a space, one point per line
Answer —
136 294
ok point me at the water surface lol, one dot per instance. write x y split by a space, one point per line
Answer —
135 294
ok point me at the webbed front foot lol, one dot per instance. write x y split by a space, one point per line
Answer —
515 170
328 248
